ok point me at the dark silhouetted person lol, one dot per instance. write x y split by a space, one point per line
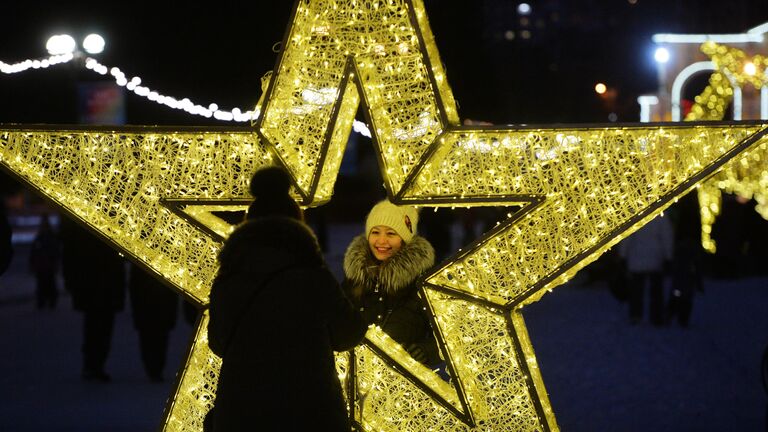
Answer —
381 269
44 256
687 259
756 247
647 253
6 247
94 274
730 234
276 316
154 308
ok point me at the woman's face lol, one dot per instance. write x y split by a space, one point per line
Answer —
384 242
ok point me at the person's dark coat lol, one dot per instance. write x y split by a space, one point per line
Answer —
44 252
154 306
6 247
94 273
387 295
276 316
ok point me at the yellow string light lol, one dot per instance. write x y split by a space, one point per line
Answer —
747 176
584 189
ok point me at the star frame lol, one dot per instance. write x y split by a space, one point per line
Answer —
583 189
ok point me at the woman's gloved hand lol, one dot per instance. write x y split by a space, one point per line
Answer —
417 352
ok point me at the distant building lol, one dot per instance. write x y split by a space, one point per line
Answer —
687 69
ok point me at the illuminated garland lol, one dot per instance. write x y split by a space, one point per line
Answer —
25 65
746 177
583 190
134 85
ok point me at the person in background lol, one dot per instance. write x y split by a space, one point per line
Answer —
94 275
154 308
647 253
44 258
276 316
6 247
731 234
687 261
381 268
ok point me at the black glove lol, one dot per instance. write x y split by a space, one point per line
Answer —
416 352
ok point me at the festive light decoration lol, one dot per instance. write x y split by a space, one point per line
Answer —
583 190
53 60
134 85
747 176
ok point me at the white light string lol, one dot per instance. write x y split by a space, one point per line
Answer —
34 64
134 85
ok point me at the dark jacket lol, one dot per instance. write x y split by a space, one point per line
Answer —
276 316
387 295
6 247
94 273
154 306
44 253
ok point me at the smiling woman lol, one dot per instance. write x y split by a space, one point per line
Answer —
381 268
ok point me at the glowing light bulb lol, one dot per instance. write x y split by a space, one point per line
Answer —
750 69
61 44
600 88
661 55
93 44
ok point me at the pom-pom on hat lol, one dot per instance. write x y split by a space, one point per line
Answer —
270 188
403 219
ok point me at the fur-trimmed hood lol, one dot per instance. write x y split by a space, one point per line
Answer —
362 269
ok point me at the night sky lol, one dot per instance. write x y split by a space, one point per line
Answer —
217 52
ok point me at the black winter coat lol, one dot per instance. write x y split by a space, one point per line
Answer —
386 292
276 316
154 306
94 273
6 247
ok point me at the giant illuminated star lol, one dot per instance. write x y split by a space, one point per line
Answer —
148 191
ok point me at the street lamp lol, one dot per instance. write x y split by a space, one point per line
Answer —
93 44
65 44
661 55
600 88
61 44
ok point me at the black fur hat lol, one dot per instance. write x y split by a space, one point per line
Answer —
270 188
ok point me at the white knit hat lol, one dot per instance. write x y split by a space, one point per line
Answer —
402 219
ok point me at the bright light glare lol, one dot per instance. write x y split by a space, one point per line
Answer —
60 44
524 9
661 55
93 44
750 69
600 88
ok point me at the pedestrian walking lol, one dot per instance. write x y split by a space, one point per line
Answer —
687 259
154 308
44 256
94 275
6 247
647 253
